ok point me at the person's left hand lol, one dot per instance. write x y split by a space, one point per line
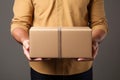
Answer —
95 47
97 37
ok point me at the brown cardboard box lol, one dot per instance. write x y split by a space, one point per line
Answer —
43 42
76 42
64 42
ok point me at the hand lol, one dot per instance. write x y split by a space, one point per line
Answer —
97 36
95 47
26 48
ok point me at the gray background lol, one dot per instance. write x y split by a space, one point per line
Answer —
14 66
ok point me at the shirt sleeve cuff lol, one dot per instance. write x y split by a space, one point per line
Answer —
14 26
104 28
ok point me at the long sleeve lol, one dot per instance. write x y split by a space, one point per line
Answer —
97 15
23 13
68 13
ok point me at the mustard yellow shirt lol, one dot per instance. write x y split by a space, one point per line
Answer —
65 13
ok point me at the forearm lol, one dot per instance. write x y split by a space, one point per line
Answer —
20 35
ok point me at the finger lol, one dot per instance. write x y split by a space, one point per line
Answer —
80 59
37 59
94 52
85 59
26 44
26 53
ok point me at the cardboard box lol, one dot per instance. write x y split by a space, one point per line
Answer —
64 42
43 42
76 42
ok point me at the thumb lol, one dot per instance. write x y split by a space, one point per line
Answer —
26 44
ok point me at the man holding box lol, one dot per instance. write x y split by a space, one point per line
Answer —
55 13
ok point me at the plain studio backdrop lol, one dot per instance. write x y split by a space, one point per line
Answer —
14 65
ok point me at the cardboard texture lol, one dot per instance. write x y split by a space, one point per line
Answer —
43 42
63 42
76 42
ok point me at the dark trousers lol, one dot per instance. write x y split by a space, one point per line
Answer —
82 76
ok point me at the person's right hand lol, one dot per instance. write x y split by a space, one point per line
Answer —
26 48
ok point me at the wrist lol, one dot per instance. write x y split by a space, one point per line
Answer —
97 41
98 35
25 41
